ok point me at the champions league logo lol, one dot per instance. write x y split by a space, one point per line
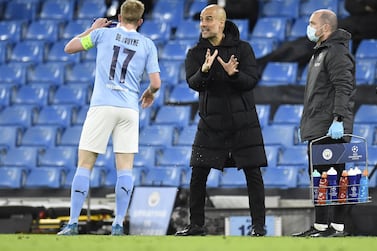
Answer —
355 153
327 154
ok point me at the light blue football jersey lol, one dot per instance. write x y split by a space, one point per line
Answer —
122 57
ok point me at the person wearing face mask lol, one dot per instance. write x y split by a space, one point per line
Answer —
328 107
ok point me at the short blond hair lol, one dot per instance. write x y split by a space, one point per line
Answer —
132 11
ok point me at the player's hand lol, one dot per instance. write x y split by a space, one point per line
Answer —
100 22
147 98
231 67
209 60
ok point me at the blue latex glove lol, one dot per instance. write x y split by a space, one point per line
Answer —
336 130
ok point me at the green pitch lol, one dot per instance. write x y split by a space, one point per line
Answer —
18 242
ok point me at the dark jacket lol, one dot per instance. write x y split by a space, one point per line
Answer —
330 87
228 132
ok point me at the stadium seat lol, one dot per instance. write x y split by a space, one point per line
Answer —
302 76
28 52
42 136
293 156
45 177
157 136
157 30
35 95
262 46
17 115
279 73
213 179
138 174
42 30
163 176
12 177
303 178
185 136
97 177
170 71
79 115
55 53
243 27
366 131
366 114
49 73
4 45
263 111
162 11
174 50
81 72
307 7
280 177
174 156
188 30
9 136
72 28
106 160
367 49
13 74
146 157
282 135
272 153
89 55
144 117
58 115
10 30
195 8
232 178
285 8
20 157
271 27
21 10
288 114
69 94
57 10
182 94
63 157
88 9
70 136
298 28
178 116
366 71
4 96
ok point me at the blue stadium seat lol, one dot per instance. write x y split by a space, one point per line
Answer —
298 28
182 94
35 95
174 156
138 174
303 178
271 27
63 157
57 10
233 178
366 131
98 177
9 136
366 114
162 11
58 115
279 73
41 30
28 52
146 157
213 179
185 136
262 46
280 177
144 117
195 8
367 49
293 156
307 7
285 8
157 136
88 55
174 50
88 9
70 136
170 71
70 94
55 53
366 71
12 177
106 160
163 176
4 45
188 29
42 136
4 96
157 30
302 76
17 115
272 153
49 73
20 157
282 135
14 74
243 27
288 114
73 27
81 72
21 10
178 116
11 30
45 177
263 111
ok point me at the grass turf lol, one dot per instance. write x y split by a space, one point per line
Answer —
17 242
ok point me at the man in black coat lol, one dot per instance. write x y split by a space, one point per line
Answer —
222 68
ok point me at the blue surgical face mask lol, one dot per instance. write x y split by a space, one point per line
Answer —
310 33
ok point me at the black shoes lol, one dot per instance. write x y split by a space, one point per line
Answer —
258 231
329 232
192 230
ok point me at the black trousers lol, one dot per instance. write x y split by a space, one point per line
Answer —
329 213
255 188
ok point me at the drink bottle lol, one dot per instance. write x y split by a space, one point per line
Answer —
322 190
316 177
363 191
332 185
353 187
343 186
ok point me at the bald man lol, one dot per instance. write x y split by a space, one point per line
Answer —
222 68
328 107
